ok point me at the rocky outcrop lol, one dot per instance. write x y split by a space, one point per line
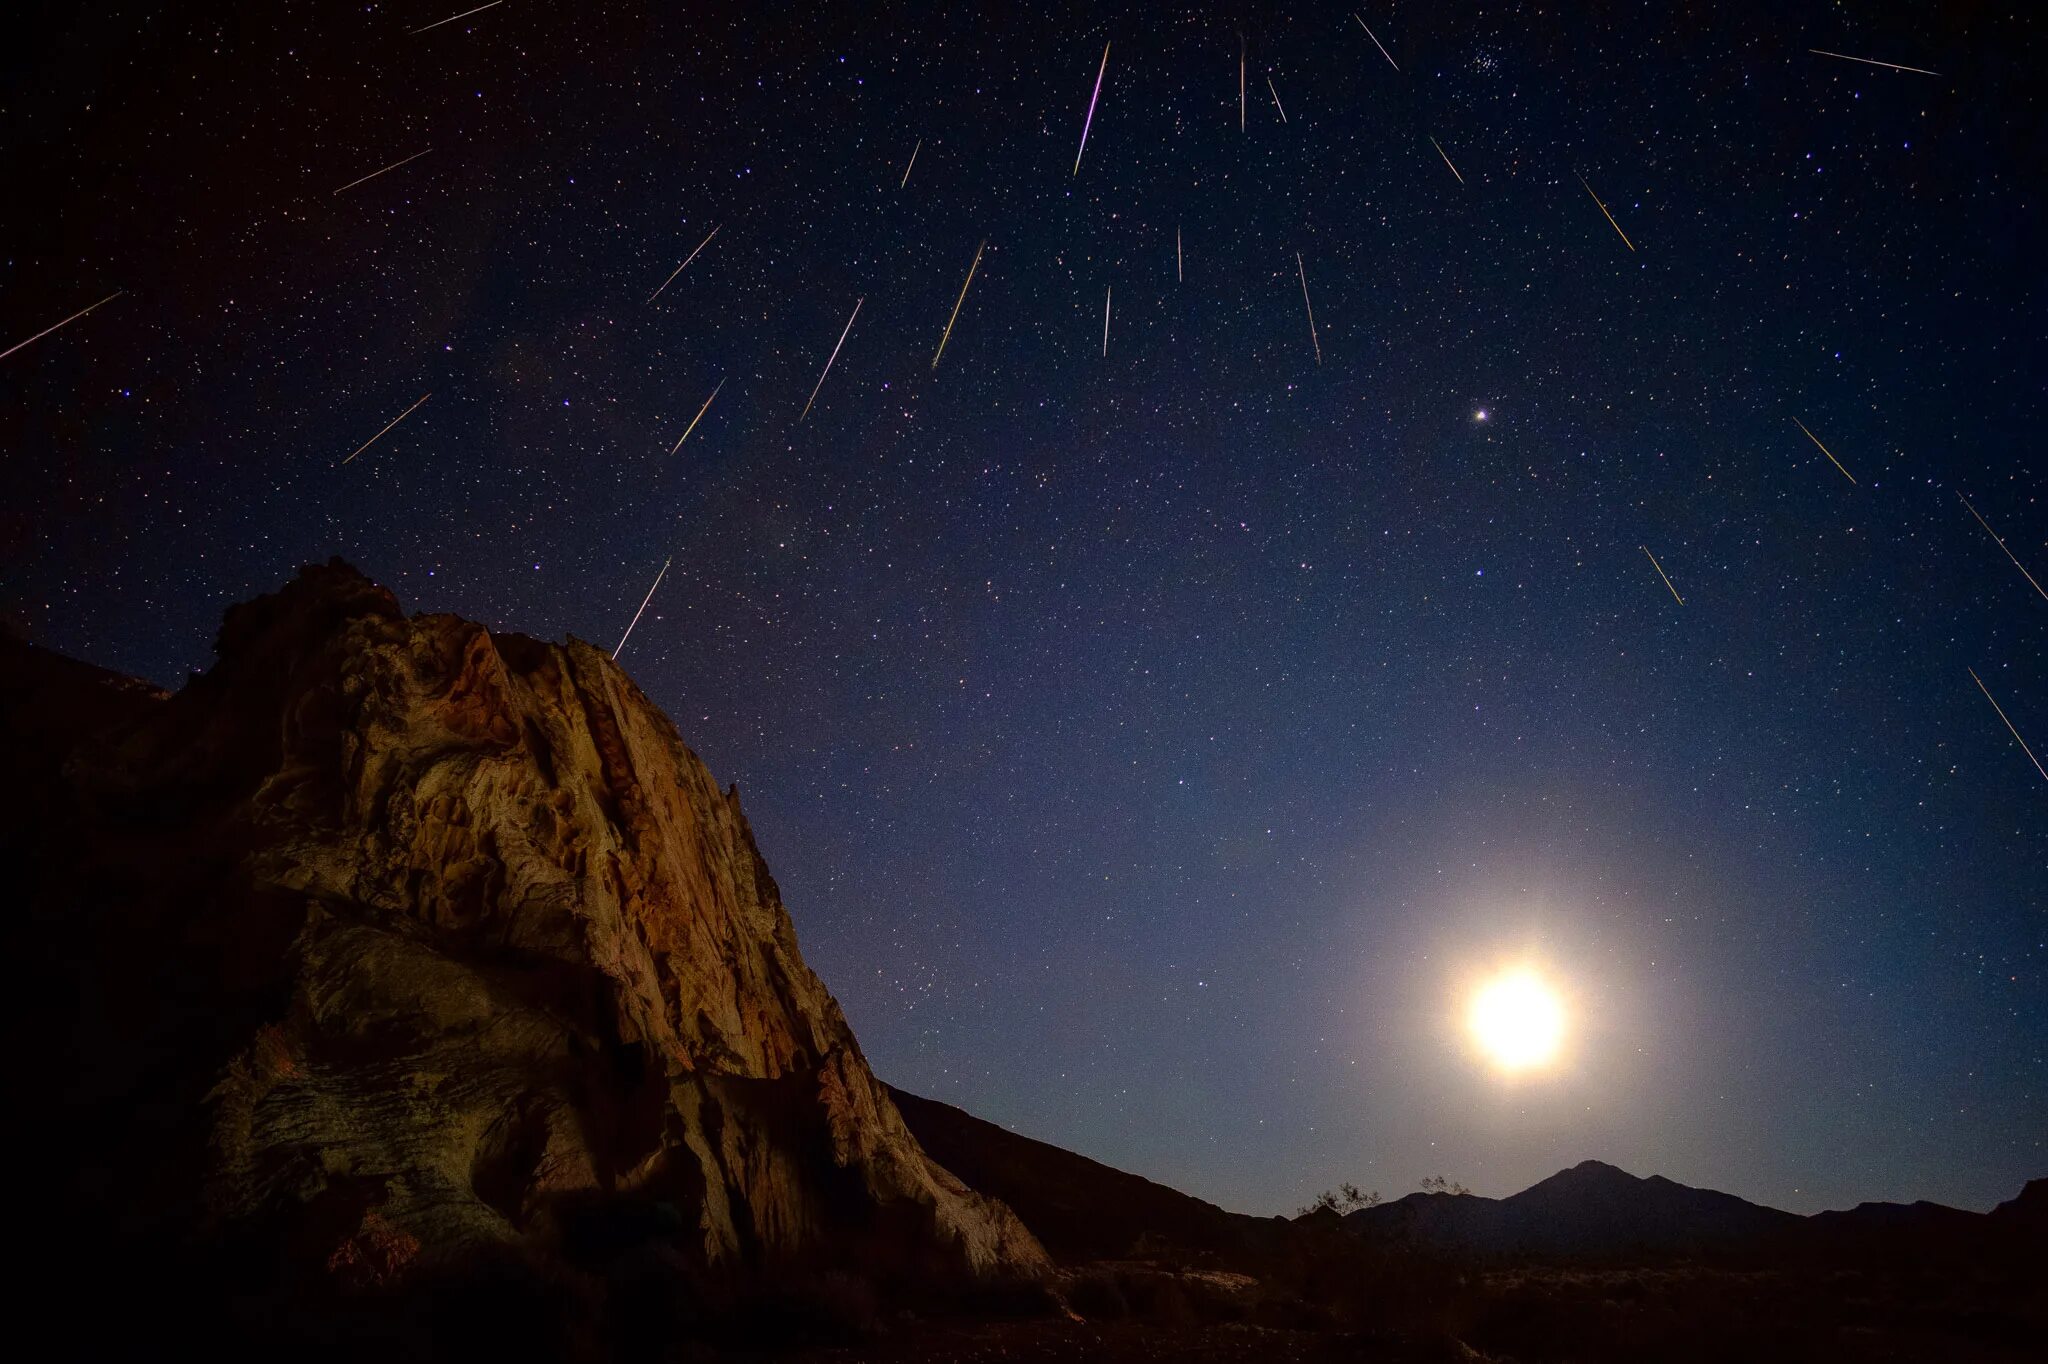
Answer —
391 941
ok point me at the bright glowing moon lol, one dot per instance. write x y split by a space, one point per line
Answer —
1518 1021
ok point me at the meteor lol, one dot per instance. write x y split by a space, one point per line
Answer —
1662 574
1380 45
1276 100
687 259
65 323
957 302
387 426
694 420
834 356
1891 66
1824 450
1091 107
1178 277
1302 270
375 173
1447 161
643 607
1994 540
1610 217
453 17
913 161
2008 724
1105 319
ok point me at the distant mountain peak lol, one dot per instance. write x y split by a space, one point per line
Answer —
1597 1167
1592 1208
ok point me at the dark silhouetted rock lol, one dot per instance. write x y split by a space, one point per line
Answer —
1081 1209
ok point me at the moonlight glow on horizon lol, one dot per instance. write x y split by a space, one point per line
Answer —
1517 1021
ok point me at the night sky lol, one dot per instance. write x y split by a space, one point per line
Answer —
1148 746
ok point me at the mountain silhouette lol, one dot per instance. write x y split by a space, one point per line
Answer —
1590 1209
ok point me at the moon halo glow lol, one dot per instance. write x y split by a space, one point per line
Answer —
1517 1021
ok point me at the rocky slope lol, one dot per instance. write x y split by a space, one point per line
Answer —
1082 1209
391 946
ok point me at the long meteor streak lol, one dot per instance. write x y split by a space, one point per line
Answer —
387 426
913 161
1662 574
1276 100
1106 290
2009 726
686 262
1824 450
1090 122
834 356
2008 553
1380 45
957 302
453 17
375 173
694 420
643 606
1890 66
1447 161
1240 82
1609 216
1314 340
65 323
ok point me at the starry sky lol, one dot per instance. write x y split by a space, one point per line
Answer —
1149 743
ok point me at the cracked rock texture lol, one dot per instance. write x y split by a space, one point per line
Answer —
390 940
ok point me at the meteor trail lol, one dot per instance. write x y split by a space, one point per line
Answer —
1276 100
1447 161
375 173
1381 46
1090 122
687 259
1892 66
834 356
643 606
2008 724
65 323
1240 82
692 427
1824 450
1178 277
913 161
1610 217
1662 574
1105 319
1994 540
387 426
1313 340
957 302
453 17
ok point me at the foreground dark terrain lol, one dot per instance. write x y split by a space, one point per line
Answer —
408 990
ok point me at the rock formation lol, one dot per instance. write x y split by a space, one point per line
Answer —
391 943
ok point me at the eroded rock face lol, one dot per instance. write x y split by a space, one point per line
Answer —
406 940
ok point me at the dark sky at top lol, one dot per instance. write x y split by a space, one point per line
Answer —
1149 745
